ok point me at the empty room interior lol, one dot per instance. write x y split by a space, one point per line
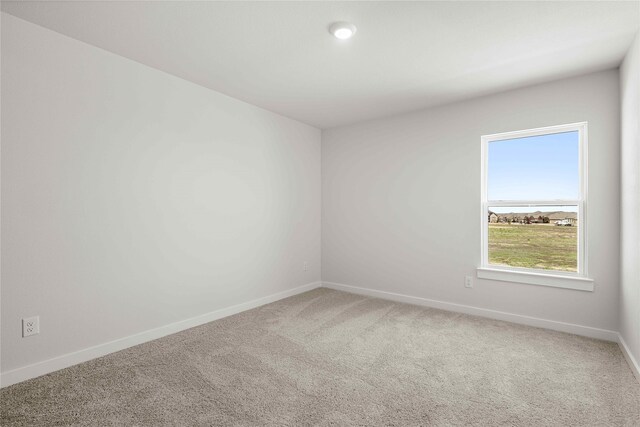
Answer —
320 213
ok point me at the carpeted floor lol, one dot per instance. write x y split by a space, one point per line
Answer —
332 358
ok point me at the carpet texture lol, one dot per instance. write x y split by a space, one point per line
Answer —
332 358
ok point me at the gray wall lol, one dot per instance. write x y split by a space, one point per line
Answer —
132 199
630 200
401 200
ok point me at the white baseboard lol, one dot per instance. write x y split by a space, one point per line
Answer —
571 328
41 368
633 363
47 366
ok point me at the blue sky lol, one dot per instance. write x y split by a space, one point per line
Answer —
534 168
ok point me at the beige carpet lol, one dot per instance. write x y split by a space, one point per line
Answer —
332 358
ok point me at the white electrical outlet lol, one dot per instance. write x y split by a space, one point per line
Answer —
468 282
30 326
306 266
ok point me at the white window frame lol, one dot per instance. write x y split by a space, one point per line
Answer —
571 280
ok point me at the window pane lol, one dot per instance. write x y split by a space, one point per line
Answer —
534 168
540 237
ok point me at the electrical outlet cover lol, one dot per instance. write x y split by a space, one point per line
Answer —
468 282
30 326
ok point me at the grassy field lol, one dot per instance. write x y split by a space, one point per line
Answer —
541 246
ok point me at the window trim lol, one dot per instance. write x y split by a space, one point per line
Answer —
563 279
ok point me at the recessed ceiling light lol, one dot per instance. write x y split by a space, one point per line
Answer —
342 30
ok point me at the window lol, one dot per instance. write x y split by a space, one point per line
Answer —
533 207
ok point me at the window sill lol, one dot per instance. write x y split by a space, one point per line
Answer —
540 279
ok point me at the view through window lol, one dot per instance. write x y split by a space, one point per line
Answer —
534 199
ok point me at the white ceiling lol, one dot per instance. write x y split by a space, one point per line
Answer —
405 55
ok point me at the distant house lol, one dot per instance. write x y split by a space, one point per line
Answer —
493 217
567 222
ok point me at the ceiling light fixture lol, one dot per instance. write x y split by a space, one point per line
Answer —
342 30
